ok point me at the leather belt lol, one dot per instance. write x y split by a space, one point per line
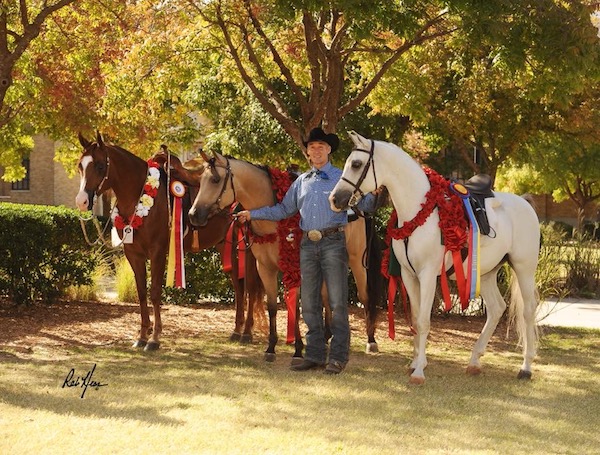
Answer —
315 235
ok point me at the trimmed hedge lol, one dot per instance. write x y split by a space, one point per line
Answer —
42 252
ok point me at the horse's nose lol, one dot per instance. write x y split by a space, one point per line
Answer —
197 217
339 200
82 201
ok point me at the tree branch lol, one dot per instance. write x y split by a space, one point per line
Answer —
420 37
285 71
279 114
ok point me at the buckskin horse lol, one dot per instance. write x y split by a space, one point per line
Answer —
141 208
514 238
223 180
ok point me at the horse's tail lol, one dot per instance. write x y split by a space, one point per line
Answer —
375 284
516 309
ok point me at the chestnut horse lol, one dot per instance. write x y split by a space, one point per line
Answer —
103 167
223 180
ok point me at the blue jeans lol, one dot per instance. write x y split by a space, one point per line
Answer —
325 261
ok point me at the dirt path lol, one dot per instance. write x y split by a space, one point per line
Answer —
53 328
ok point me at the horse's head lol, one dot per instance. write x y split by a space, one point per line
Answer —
356 179
189 172
93 171
215 185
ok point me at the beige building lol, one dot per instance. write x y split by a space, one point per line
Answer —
46 182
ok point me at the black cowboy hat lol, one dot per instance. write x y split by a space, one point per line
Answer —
317 134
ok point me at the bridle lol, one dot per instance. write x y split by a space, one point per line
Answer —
358 194
96 191
228 178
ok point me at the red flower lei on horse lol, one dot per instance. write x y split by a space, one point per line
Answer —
145 203
288 233
453 223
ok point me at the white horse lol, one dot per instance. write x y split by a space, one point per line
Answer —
515 238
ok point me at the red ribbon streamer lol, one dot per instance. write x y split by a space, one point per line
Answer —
291 297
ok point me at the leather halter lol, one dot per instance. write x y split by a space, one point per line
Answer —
355 198
98 188
228 176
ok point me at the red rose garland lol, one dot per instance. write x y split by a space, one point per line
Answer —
146 200
453 223
287 229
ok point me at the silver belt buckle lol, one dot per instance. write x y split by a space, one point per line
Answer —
315 235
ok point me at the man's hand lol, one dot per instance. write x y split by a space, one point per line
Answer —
243 216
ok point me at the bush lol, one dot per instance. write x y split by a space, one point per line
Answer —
205 278
125 281
42 252
583 269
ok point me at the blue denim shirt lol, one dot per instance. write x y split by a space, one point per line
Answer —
309 194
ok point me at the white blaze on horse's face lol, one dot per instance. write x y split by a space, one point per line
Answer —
346 192
82 200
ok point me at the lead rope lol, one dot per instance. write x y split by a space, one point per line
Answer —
100 239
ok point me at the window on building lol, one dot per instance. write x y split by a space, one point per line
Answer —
23 184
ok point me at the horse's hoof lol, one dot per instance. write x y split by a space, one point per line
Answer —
269 357
372 348
139 344
235 337
297 361
416 380
246 338
473 370
152 346
524 374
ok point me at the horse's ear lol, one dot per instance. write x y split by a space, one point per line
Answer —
204 156
99 138
220 159
357 139
83 141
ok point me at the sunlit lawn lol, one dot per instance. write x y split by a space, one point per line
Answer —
206 396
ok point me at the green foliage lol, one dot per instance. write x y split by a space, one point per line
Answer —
549 275
15 144
125 281
568 266
205 278
583 269
42 252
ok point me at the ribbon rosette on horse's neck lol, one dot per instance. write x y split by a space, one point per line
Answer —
146 201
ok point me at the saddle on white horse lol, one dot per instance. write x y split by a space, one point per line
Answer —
480 189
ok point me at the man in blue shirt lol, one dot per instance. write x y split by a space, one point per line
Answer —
323 255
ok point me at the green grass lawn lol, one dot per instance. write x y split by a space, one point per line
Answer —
201 395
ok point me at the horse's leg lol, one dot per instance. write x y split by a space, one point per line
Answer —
524 303
157 272
249 322
269 279
298 356
495 307
360 278
240 302
426 283
412 289
138 265
255 294
357 245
